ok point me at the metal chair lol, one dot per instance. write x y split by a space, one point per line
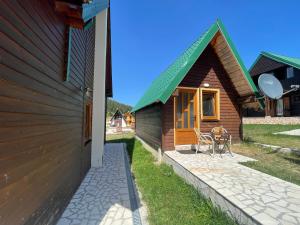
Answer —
221 136
204 139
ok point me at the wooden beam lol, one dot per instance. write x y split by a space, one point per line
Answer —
79 14
75 23
70 10
247 99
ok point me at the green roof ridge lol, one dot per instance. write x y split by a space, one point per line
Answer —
159 89
164 85
295 62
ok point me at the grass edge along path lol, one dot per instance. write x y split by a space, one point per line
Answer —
169 199
264 134
282 166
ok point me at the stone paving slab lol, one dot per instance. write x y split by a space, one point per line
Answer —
251 197
106 195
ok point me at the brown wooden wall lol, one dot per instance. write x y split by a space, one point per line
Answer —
264 65
207 69
148 125
43 156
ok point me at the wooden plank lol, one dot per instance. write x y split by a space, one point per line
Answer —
10 61
11 119
41 117
10 90
49 181
33 47
35 17
40 85
148 125
19 12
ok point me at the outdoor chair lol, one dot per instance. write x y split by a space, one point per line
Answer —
222 137
204 139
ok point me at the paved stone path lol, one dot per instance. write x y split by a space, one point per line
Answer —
106 196
295 132
251 197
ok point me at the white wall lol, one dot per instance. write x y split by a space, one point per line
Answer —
99 90
124 123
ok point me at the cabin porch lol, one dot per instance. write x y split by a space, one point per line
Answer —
247 195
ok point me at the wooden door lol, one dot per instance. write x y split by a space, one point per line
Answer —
185 112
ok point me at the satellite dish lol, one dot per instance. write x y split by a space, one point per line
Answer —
270 86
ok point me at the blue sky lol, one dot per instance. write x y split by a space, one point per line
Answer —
147 36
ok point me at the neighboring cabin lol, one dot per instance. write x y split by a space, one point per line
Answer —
287 70
118 120
52 107
130 120
204 88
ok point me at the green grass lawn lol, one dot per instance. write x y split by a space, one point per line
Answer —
264 134
169 199
283 166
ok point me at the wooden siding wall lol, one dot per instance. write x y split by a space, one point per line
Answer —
264 65
295 105
148 125
207 69
168 125
42 155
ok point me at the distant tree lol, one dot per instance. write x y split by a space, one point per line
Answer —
113 105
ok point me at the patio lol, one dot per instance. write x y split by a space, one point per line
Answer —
107 195
249 196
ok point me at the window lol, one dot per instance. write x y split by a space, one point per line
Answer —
88 121
289 72
210 104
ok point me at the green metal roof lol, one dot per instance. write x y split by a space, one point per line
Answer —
295 62
164 85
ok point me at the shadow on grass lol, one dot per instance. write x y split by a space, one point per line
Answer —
248 139
292 159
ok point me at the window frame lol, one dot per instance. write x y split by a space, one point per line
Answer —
292 74
216 93
196 107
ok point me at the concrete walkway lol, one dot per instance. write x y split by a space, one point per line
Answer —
106 195
295 132
249 196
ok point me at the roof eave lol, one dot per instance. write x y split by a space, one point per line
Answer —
206 40
277 59
240 62
253 64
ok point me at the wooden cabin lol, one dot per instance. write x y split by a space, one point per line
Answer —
118 120
130 120
287 71
203 88
55 76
